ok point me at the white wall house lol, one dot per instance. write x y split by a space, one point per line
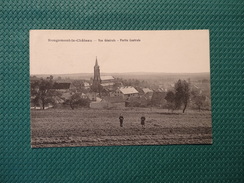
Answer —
126 92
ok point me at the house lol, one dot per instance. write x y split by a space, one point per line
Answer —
126 92
62 87
147 90
148 93
140 91
86 85
161 89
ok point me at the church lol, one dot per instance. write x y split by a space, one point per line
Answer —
99 82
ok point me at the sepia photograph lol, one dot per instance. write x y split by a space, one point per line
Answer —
113 88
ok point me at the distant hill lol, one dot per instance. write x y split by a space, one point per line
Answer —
85 76
133 75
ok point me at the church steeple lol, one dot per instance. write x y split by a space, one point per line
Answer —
96 79
96 71
96 64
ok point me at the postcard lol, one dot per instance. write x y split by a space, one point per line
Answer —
106 88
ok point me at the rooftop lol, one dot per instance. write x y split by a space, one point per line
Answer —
61 85
146 90
103 78
107 84
128 90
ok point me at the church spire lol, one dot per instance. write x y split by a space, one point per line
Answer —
96 64
96 79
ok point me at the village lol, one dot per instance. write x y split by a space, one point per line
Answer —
107 92
137 92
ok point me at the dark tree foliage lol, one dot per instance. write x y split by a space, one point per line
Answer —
76 100
43 92
73 102
170 98
199 101
182 94
84 102
98 89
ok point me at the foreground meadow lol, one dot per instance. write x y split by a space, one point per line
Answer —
98 127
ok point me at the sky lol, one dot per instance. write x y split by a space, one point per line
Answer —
74 51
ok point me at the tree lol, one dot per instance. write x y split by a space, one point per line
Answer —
182 94
97 88
170 98
158 98
76 100
45 94
84 102
199 101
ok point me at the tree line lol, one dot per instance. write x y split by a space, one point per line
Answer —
42 94
181 95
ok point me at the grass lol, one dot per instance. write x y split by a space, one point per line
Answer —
98 127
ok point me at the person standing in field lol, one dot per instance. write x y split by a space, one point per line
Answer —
143 119
121 120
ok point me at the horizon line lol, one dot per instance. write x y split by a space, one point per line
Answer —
125 73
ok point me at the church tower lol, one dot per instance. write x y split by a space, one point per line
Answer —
96 79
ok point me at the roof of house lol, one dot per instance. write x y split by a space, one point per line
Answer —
98 99
195 86
160 90
107 84
140 91
146 90
86 83
103 78
61 85
128 90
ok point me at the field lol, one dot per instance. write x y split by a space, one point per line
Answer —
90 127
